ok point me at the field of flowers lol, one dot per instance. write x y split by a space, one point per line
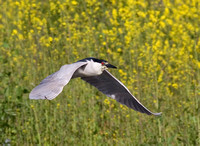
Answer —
155 45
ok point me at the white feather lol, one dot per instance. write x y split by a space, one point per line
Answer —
53 85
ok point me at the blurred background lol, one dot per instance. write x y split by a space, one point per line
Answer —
154 44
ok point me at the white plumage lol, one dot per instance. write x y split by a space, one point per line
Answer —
53 85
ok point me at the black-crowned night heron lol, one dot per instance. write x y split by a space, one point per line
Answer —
94 72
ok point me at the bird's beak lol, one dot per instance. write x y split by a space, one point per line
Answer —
110 66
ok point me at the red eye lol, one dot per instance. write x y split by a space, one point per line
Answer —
102 63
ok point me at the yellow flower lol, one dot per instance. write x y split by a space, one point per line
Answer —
160 76
109 51
50 39
119 50
17 3
107 111
14 32
106 101
104 43
74 2
20 37
32 106
175 85
114 13
58 105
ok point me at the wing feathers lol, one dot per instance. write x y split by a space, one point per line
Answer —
53 85
113 88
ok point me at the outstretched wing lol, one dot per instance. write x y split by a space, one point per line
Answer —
53 85
113 88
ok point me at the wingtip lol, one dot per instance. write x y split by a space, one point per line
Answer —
157 114
35 97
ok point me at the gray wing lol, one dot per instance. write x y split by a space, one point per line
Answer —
53 85
113 88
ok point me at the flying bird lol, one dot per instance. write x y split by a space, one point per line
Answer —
94 71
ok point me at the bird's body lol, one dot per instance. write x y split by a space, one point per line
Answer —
91 69
94 72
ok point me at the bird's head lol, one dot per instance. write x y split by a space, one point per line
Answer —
104 63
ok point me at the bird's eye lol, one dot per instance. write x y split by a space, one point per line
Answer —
102 63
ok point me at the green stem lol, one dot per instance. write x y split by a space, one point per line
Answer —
37 126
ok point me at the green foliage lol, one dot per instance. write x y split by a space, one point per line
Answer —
154 44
